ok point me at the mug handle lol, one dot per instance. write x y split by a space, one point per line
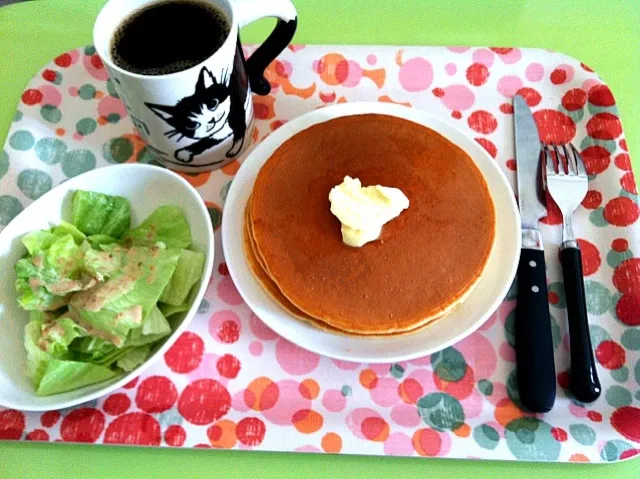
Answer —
248 11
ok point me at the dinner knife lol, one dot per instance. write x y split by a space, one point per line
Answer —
533 341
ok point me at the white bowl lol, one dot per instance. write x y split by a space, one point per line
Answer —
462 321
146 187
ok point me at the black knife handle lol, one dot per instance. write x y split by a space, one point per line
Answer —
534 343
583 380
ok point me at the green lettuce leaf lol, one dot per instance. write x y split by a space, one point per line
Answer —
96 213
134 358
37 298
169 309
65 256
166 224
187 273
98 240
154 327
61 376
56 335
65 228
103 264
38 241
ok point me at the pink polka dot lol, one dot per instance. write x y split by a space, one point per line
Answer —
445 444
317 66
380 369
507 352
290 401
590 83
483 56
77 136
333 400
509 85
228 293
534 72
346 365
565 342
294 359
284 68
489 323
498 394
425 378
512 56
95 67
261 330
405 415
371 59
385 393
578 411
238 403
222 324
355 419
398 444
109 105
353 74
568 69
207 369
50 95
472 404
421 361
458 49
73 91
457 97
416 74
451 68
308 448
255 348
479 354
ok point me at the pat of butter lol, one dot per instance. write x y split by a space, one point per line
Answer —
363 211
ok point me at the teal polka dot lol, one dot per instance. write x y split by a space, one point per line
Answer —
583 434
146 156
225 191
530 439
599 298
111 89
51 113
441 411
556 335
76 162
50 150
203 307
89 50
4 163
113 118
631 339
449 364
86 126
621 374
618 396
34 183
17 116
512 388
87 92
598 334
614 258
638 395
513 291
558 289
117 150
10 207
216 216
597 218
346 390
510 328
485 387
396 371
613 449
636 371
486 436
21 140
609 145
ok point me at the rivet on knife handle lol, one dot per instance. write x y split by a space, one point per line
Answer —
534 344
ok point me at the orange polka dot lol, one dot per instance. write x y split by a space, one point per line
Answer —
138 144
506 411
99 94
196 179
102 120
463 431
307 421
262 393
255 135
368 379
375 429
342 99
231 168
399 58
60 131
222 434
309 389
578 458
331 442
426 442
388 99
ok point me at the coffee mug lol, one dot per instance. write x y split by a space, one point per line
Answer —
200 118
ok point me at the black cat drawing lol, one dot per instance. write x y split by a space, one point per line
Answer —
212 114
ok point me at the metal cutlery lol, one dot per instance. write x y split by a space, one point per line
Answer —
567 183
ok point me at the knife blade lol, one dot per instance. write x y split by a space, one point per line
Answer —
533 340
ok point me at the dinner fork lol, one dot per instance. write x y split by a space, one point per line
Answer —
568 188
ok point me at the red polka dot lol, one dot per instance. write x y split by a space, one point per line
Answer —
554 215
506 108
619 245
438 92
12 424
427 442
261 111
487 145
375 429
621 211
553 297
626 420
135 428
511 164
482 122
604 126
202 446
49 418
97 62
554 126
628 183
156 394
116 404
586 67
223 269
623 161
63 60
185 354
623 144
250 431
592 200
563 379
610 354
175 435
595 416
228 366
559 434
629 453
38 435
596 159
628 309
574 99
600 95
500 50
591 260
456 114
204 401
558 76
531 96
49 75
276 124
32 97
477 74
626 277
229 332
82 425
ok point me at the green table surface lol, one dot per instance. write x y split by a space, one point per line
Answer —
603 34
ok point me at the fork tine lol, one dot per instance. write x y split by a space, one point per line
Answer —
548 160
572 167
582 172
561 170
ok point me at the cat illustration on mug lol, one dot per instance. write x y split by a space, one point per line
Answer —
212 114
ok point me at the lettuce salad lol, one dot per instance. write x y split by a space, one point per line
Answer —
101 295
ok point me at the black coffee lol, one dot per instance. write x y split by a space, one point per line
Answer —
168 37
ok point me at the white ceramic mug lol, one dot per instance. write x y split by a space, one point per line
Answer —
222 134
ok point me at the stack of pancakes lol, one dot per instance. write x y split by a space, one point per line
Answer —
426 261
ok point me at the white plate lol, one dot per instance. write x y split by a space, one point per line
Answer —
146 187
462 321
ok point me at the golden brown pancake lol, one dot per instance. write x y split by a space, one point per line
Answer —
425 262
